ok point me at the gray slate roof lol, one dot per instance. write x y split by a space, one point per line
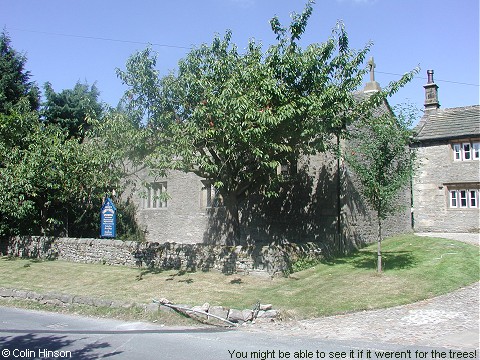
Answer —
448 124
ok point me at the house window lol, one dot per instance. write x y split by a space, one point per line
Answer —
156 195
284 169
467 151
476 151
453 199
457 152
287 169
464 198
210 195
473 198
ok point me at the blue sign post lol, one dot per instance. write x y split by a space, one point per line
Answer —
108 219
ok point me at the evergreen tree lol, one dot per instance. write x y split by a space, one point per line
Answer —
14 79
71 108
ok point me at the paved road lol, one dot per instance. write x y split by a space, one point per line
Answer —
26 334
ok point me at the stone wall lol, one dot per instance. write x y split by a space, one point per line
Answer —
256 259
184 219
321 204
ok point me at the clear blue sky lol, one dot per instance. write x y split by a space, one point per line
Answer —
67 41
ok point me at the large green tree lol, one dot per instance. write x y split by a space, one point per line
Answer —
51 182
232 117
383 162
50 179
70 108
15 81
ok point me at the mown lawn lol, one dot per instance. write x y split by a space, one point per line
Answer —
415 268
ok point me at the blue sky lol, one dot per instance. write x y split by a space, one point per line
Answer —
70 41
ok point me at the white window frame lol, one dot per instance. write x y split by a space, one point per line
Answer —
156 195
467 152
457 152
453 199
463 200
472 198
476 151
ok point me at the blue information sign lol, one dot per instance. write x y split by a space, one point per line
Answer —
108 219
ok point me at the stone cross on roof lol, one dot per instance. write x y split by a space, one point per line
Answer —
372 85
372 66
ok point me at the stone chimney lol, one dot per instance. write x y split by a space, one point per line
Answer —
372 85
431 93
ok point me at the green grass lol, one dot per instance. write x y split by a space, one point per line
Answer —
135 313
415 268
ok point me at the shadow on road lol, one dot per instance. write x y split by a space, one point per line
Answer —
33 345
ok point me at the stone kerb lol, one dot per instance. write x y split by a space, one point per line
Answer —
204 313
266 259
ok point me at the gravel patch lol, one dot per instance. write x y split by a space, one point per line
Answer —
470 238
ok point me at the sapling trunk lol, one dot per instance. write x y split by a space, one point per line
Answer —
379 244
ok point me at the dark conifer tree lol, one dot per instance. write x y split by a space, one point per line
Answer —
15 81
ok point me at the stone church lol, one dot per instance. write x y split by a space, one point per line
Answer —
320 204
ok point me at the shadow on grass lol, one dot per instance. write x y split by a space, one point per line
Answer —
171 277
151 270
30 259
391 260
180 273
10 258
187 281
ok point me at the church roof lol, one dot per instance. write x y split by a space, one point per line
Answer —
448 124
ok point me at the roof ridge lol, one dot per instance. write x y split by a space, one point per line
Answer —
457 108
450 123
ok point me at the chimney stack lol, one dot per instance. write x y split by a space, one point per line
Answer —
431 93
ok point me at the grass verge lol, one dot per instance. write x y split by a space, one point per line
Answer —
415 268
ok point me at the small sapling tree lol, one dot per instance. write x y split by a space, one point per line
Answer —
383 162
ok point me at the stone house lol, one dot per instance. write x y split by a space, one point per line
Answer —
320 203
446 184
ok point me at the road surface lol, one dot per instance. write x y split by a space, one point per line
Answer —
26 334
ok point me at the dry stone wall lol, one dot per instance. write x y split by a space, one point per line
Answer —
266 259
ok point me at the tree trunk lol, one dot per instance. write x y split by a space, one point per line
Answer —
232 225
379 244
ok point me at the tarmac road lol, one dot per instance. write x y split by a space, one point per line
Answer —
26 334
